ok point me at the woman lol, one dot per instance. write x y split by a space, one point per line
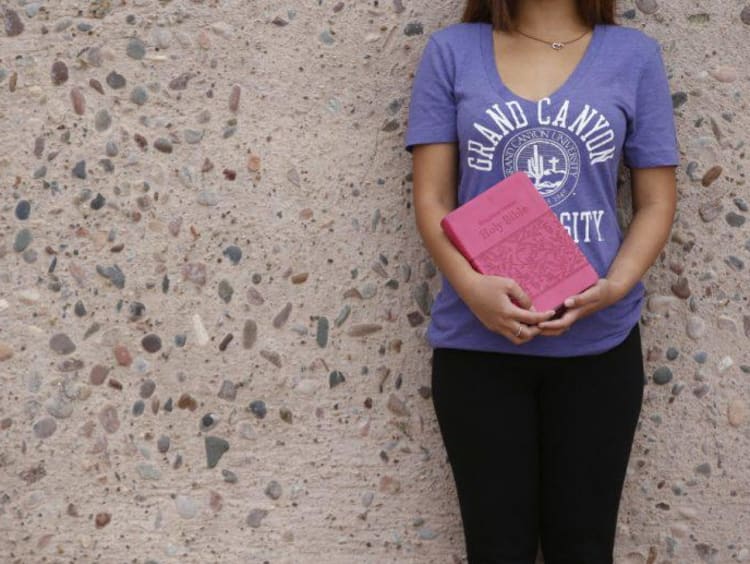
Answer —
538 414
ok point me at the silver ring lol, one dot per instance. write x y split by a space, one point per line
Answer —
518 333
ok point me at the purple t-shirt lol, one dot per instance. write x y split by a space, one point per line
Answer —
616 103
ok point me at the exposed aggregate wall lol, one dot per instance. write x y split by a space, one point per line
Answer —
213 296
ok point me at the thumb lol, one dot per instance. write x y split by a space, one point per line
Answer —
518 296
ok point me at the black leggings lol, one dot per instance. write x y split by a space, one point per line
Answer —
539 447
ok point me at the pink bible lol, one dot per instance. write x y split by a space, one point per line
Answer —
509 230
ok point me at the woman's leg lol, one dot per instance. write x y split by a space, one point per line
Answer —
486 408
589 410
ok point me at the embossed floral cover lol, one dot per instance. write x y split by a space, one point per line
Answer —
509 230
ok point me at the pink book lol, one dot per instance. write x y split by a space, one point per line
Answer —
510 230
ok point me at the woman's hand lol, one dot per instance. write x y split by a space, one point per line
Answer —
599 296
489 297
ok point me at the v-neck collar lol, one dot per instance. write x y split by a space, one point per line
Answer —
490 65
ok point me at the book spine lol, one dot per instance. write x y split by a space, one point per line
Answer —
448 229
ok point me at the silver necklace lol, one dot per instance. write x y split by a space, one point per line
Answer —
556 45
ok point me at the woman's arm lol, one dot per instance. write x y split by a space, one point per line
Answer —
654 192
654 204
435 168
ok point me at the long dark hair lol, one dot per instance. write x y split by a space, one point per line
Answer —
501 13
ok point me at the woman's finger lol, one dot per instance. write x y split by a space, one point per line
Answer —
518 296
563 322
526 333
552 332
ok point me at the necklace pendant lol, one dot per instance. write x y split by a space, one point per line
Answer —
557 45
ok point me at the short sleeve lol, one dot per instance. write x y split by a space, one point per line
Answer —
432 107
651 136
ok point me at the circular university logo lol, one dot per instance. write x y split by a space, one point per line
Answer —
549 156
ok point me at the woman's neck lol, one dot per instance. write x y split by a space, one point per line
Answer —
549 18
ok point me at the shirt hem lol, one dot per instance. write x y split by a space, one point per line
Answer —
560 353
